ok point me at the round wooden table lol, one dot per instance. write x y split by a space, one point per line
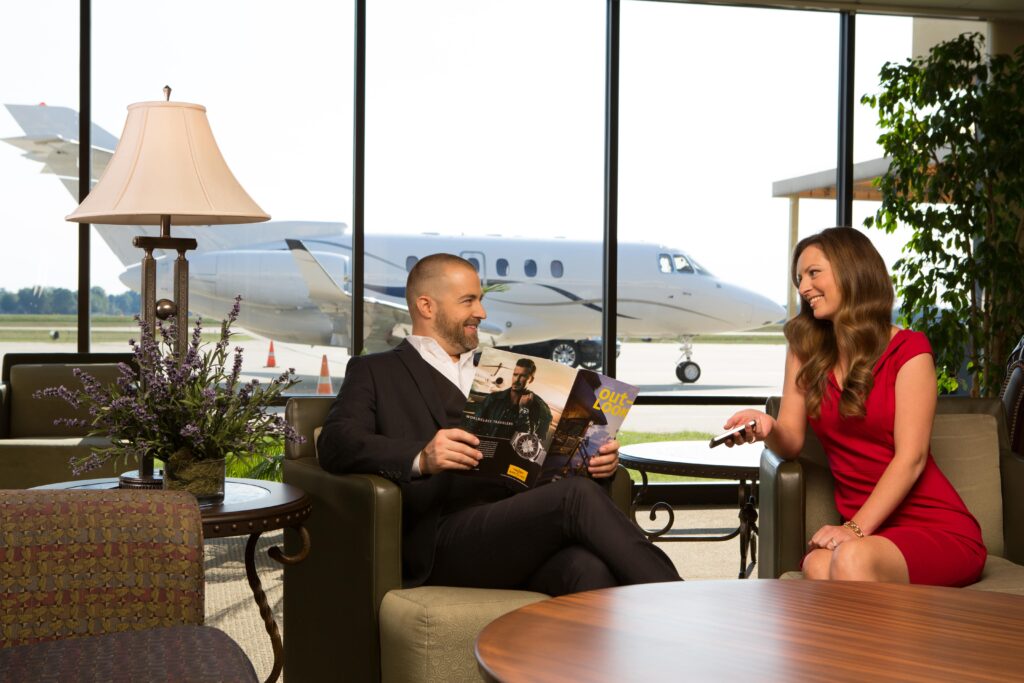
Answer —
761 630
251 506
695 459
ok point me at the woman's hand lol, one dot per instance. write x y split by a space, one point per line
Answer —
764 424
831 537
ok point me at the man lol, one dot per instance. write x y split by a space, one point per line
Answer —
516 409
395 416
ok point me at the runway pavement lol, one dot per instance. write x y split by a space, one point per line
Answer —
726 370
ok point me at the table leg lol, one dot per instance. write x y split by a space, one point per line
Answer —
748 528
261 597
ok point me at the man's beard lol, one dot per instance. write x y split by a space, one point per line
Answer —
455 334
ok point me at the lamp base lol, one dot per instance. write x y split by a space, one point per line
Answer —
135 480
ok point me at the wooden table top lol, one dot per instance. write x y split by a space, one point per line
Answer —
763 630
694 459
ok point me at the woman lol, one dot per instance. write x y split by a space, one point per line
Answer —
868 390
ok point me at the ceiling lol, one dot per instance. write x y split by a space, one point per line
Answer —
988 10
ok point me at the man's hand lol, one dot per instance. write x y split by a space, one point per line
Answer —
603 464
525 398
450 449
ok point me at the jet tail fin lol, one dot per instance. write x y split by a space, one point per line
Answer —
51 138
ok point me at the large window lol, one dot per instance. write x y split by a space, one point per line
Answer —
39 259
716 104
484 139
277 89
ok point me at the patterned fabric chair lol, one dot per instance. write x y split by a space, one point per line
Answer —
107 585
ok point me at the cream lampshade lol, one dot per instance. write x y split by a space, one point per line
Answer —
166 169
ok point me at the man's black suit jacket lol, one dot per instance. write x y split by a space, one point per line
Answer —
389 407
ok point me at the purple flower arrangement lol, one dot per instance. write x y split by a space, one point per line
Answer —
193 403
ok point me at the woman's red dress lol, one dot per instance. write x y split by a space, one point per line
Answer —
939 538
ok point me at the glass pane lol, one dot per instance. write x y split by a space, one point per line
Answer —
882 39
717 105
277 87
487 121
39 260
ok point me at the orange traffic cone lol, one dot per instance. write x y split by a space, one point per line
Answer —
271 361
323 385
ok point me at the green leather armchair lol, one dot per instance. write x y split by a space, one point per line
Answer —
970 446
33 450
346 615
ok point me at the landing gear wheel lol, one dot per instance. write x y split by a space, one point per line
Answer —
564 352
688 372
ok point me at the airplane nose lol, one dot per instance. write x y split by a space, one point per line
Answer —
767 312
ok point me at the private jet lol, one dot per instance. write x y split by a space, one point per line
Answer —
295 276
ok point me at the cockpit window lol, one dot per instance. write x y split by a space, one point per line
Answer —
681 264
700 269
664 263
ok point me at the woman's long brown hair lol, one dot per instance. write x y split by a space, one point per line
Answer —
860 329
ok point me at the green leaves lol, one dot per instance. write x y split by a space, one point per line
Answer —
954 129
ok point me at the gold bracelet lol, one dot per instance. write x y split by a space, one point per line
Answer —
852 526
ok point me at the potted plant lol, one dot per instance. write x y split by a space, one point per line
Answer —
954 130
189 410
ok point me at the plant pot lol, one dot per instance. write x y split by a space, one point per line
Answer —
202 478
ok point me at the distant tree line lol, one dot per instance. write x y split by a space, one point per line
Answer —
57 300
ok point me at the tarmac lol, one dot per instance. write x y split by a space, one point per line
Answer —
726 370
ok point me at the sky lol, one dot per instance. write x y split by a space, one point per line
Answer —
483 117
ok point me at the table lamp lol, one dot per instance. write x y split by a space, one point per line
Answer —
166 169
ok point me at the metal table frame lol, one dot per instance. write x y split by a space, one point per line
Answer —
745 476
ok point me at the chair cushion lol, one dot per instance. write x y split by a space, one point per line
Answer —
1002 576
34 416
966 449
429 633
178 653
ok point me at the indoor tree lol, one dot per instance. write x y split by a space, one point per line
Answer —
953 125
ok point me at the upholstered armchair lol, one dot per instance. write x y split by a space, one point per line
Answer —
1013 402
346 614
107 585
33 450
970 446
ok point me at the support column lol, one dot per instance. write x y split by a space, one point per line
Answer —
794 233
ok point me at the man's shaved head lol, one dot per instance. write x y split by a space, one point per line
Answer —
427 276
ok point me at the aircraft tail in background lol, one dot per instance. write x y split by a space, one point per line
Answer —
51 138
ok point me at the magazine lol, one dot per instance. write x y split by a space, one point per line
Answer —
538 420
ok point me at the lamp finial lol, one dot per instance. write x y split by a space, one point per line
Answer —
167 92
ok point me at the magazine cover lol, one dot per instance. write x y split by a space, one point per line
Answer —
539 420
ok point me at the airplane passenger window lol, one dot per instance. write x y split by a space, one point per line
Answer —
473 261
502 266
530 267
664 263
556 269
410 261
682 265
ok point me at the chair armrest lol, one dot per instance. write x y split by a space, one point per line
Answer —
781 516
332 598
1011 467
5 410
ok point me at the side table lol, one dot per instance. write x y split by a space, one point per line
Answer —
695 459
251 506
